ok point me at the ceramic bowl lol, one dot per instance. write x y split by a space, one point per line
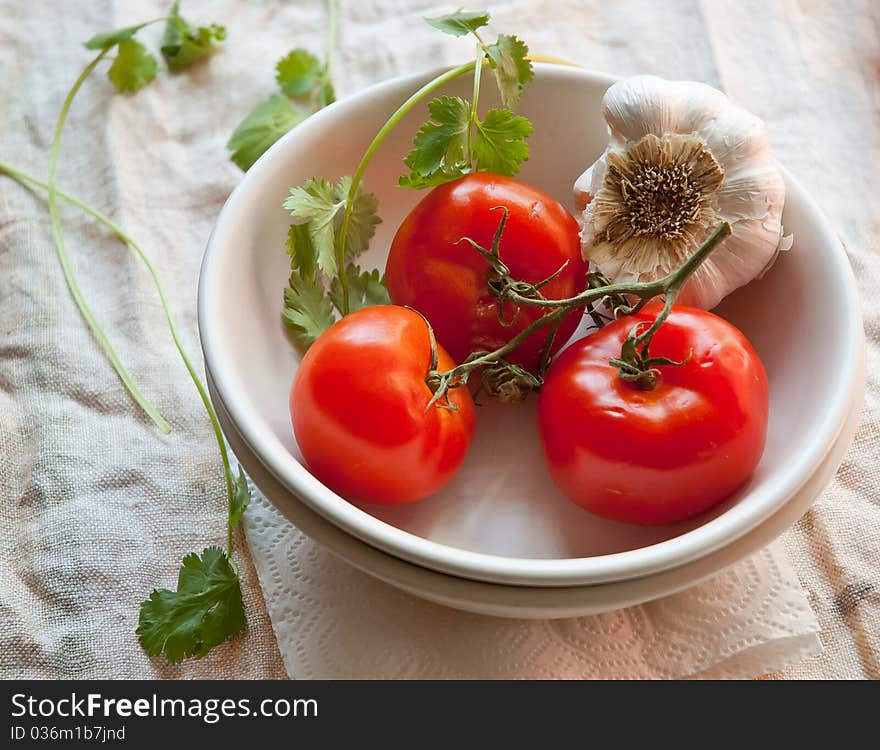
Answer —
521 530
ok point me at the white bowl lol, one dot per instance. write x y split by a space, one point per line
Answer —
803 318
534 602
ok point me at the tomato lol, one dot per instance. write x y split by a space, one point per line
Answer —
446 280
656 456
359 407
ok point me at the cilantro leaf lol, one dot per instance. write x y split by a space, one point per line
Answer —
299 72
205 610
241 496
364 218
110 39
441 147
507 58
303 257
260 129
499 143
133 67
314 204
460 23
325 93
365 288
183 43
320 207
307 311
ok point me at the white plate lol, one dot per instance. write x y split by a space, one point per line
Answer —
534 602
529 534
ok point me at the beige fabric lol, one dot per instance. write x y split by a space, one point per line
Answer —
95 508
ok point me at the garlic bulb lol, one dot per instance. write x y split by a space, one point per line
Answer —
681 158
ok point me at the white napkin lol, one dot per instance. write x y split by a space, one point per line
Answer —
334 622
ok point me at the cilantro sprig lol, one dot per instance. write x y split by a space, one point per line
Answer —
305 86
333 224
207 607
321 256
456 141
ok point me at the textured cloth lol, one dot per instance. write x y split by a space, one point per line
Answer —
96 508
334 622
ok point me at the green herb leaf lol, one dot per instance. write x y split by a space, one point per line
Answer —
205 610
460 23
314 204
320 207
325 93
507 58
183 43
260 129
241 496
499 143
307 310
303 257
110 39
299 73
363 221
440 148
365 288
133 67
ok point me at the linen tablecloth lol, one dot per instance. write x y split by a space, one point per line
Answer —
96 508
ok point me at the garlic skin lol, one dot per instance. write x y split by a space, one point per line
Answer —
681 158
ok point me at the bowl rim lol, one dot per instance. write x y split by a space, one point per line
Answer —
556 602
698 542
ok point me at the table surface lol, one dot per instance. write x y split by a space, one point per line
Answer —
95 510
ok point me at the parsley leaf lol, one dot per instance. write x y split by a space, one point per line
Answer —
205 610
507 58
441 147
183 43
299 73
460 23
111 38
133 67
365 288
261 128
499 143
307 310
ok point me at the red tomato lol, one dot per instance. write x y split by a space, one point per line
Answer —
359 409
658 456
446 280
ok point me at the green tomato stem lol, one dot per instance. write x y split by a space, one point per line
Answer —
63 258
172 327
668 285
395 118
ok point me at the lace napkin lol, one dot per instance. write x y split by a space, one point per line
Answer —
334 622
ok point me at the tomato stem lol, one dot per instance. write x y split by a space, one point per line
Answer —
638 367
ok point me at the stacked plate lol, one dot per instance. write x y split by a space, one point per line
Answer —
501 539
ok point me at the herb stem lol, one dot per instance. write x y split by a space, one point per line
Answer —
472 119
63 258
332 28
172 327
395 118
